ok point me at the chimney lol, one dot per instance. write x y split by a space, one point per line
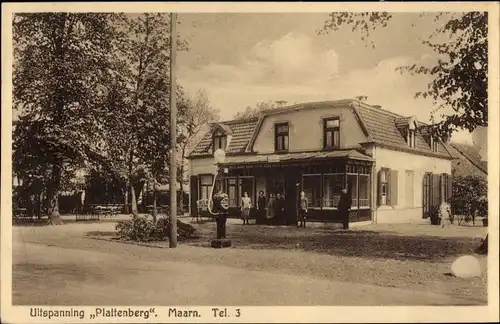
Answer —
361 98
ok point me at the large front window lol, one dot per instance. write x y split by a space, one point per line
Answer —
281 134
311 185
332 187
364 190
352 188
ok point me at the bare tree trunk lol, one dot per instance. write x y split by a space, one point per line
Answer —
126 200
31 206
134 201
181 180
38 207
129 182
154 213
53 193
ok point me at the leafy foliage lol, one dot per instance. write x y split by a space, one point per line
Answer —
59 59
136 141
198 112
141 228
252 112
470 196
459 79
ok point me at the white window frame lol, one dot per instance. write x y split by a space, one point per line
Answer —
368 189
410 138
319 175
323 187
387 183
357 189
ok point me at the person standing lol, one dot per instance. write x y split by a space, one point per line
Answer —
344 207
261 208
270 207
246 204
302 212
279 210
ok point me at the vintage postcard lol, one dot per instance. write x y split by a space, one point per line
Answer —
250 162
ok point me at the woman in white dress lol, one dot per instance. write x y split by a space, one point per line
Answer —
246 204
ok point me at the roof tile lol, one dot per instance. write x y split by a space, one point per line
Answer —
241 131
381 125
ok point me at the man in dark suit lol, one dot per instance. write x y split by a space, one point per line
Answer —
344 207
279 211
261 208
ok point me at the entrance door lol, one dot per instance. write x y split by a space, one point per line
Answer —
292 187
427 195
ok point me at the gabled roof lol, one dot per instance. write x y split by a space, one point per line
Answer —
378 124
226 129
405 122
241 131
468 161
381 125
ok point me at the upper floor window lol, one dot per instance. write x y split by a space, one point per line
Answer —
220 141
331 133
434 144
281 135
411 138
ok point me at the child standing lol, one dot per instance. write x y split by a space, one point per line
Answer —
246 204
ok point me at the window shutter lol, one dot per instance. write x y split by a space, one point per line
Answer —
193 193
394 187
388 189
436 189
379 185
450 188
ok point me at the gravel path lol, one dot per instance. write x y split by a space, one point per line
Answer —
326 255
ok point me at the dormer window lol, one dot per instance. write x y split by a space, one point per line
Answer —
410 138
408 126
220 141
434 144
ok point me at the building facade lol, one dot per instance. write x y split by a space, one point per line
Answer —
393 167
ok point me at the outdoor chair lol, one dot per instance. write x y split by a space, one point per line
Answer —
88 214
202 208
20 216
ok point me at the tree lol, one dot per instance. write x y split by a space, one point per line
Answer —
252 112
59 59
459 79
137 140
198 112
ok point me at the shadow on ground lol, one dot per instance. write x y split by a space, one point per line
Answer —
353 243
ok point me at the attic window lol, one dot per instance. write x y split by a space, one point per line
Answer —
410 137
434 144
219 141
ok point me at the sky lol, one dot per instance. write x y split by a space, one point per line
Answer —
241 59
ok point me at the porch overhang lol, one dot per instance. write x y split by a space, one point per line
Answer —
289 159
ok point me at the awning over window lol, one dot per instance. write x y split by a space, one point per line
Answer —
296 157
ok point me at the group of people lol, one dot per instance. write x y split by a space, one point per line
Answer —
274 208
